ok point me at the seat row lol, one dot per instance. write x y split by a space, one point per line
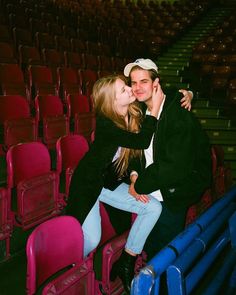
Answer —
49 122
41 79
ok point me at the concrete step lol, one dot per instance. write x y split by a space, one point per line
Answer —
176 85
206 112
212 123
229 152
222 136
169 72
165 61
171 79
200 103
162 67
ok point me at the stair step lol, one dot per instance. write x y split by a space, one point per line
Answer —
200 103
171 79
179 46
222 136
229 152
215 123
179 55
176 85
173 61
177 58
172 67
169 72
206 112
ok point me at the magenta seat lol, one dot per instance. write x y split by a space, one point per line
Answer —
57 245
6 224
50 115
70 150
35 187
16 121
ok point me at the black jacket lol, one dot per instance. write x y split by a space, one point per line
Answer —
182 157
87 180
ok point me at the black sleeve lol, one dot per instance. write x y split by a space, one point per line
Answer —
124 138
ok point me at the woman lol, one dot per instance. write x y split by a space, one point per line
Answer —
118 120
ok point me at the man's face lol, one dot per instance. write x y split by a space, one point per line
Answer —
142 84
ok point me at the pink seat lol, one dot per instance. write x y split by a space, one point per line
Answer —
15 119
50 115
82 118
70 150
6 224
68 81
57 245
41 80
12 80
108 251
34 186
88 78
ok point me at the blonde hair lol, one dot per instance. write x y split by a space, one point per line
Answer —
103 96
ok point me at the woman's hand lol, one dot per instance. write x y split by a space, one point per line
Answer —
187 99
138 197
157 98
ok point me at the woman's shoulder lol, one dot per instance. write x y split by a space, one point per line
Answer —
104 123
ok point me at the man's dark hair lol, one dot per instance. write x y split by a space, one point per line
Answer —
153 73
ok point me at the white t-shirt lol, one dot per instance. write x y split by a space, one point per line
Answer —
149 156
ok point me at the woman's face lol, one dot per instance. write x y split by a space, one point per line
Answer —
124 96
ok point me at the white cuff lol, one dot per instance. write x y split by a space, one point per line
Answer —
133 173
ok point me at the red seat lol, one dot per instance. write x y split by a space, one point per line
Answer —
91 61
12 80
62 43
22 37
51 117
78 45
68 81
6 224
57 246
82 118
74 59
44 40
7 53
88 78
16 121
5 35
41 81
70 150
29 55
34 186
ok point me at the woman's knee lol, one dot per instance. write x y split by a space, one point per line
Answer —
155 206
91 242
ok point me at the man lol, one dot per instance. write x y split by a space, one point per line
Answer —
178 161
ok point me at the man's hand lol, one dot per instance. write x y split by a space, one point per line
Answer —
141 198
186 100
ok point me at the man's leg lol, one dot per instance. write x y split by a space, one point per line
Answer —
165 230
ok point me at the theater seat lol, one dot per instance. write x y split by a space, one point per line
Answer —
34 186
55 248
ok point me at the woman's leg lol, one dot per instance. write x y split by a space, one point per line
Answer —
147 214
92 229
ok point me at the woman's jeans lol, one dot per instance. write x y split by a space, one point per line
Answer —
147 216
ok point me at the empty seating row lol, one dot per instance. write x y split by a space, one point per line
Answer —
49 122
34 190
41 79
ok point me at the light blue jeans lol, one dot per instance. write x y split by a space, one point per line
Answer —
147 216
